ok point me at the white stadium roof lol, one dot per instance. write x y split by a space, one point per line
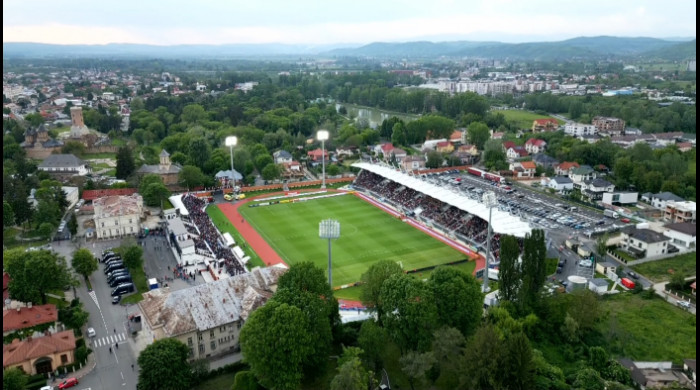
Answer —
502 222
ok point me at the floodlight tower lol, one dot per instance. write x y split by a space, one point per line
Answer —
231 141
329 229
322 136
488 200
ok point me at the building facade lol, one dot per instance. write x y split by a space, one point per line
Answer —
579 129
609 125
678 212
644 242
166 169
40 355
64 164
118 216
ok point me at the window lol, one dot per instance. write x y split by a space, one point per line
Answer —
201 349
191 352
211 335
239 325
64 359
131 229
103 224
199 337
213 345
129 220
116 223
189 341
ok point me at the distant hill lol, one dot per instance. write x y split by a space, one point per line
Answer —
576 48
678 52
582 47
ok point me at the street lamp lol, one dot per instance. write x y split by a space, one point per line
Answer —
322 136
231 141
329 229
488 200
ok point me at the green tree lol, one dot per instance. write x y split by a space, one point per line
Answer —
509 277
133 256
73 224
84 262
8 216
35 273
517 367
434 160
398 134
677 282
409 312
14 379
547 376
199 152
164 366
478 133
448 345
372 339
193 114
73 316
155 193
272 171
494 156
262 161
47 211
458 298
34 119
245 380
371 285
481 366
125 163
275 342
191 177
601 247
351 376
46 229
588 379
331 170
415 365
533 267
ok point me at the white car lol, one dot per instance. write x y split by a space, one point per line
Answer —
91 332
684 304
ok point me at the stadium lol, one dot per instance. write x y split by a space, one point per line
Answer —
385 214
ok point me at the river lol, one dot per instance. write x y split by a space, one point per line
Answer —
374 116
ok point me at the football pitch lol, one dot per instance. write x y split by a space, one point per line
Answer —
367 234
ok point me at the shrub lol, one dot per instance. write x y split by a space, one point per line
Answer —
245 380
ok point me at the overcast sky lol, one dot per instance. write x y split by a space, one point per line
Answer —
329 21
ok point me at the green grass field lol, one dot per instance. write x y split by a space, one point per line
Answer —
367 234
523 119
222 223
661 270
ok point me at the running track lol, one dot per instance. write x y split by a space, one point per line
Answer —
270 257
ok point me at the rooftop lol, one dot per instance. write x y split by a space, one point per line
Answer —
95 194
562 180
26 317
683 227
61 161
644 235
112 206
667 196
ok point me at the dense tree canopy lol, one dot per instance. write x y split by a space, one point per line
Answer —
35 273
163 365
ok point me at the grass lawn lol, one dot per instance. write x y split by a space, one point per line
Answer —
624 255
10 241
141 285
223 381
167 205
367 234
523 119
94 156
647 330
661 270
222 223
551 265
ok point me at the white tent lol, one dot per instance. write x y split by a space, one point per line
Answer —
502 222
176 201
229 240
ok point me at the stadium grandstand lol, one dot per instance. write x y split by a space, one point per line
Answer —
445 209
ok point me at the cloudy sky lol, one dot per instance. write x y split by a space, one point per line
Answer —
330 21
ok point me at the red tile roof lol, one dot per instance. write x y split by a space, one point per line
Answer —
26 317
536 142
544 122
456 135
528 165
508 144
32 348
566 165
96 194
443 144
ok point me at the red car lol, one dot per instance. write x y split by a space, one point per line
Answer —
70 382
625 220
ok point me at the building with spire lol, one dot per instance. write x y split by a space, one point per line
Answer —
39 144
166 169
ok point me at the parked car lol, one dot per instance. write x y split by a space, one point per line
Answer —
684 304
91 332
68 383
633 275
116 299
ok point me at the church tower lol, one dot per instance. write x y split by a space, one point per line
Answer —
164 160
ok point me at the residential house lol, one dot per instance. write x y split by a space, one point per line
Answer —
684 146
282 156
655 375
534 146
632 131
292 170
579 129
543 160
459 136
208 318
348 151
666 139
507 145
226 178
561 184
65 164
524 169
681 234
598 285
608 125
40 355
497 135
540 125
582 174
590 138
18 318
467 154
644 242
118 216
445 147
317 155
167 171
627 141
431 144
595 188
566 168
662 198
516 152
412 163
605 268
680 212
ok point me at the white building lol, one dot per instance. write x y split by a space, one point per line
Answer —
681 234
680 212
208 317
620 198
72 195
66 164
118 216
579 129
561 184
660 200
282 156
644 242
